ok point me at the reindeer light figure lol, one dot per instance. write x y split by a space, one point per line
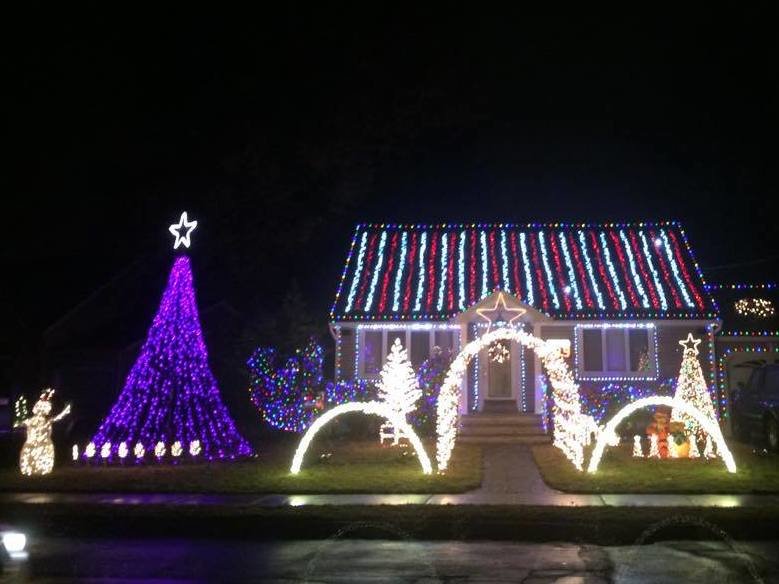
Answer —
37 456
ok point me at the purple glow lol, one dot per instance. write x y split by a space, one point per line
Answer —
170 393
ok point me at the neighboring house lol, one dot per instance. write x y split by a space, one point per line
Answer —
619 297
749 336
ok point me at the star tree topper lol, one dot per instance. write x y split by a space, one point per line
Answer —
495 313
690 344
183 225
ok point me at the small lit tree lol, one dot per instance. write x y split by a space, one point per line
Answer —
691 388
398 386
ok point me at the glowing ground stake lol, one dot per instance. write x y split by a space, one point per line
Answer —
370 408
709 427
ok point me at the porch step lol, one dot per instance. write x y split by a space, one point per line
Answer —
517 419
499 406
502 429
531 439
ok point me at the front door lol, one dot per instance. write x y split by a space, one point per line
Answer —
499 372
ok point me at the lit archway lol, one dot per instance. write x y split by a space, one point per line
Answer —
372 408
572 429
711 428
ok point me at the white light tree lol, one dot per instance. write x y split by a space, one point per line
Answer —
398 387
691 388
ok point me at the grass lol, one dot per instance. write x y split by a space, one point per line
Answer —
353 467
619 472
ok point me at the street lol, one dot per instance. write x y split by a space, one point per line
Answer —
345 560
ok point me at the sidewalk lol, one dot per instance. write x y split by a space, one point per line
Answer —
510 478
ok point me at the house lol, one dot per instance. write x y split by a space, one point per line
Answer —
749 336
617 297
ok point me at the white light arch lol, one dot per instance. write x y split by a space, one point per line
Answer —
372 408
572 429
711 428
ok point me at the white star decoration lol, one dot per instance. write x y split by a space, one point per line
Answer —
176 229
497 312
690 344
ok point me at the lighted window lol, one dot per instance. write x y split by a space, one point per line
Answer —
371 352
592 348
420 348
444 340
616 352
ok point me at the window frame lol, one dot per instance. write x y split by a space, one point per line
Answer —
390 333
606 374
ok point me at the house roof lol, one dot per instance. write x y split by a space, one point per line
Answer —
610 270
747 310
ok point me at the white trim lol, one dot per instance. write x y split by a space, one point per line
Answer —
606 374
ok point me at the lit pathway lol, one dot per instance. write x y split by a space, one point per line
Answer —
510 478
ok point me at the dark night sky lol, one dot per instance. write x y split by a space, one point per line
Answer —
280 131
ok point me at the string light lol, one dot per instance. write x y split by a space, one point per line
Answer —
37 455
494 314
194 447
633 271
399 273
526 267
139 451
483 247
548 271
504 261
755 307
74 452
105 450
710 427
90 450
398 386
376 272
653 271
170 392
691 388
355 281
572 429
421 272
176 449
159 449
176 229
287 396
122 451
612 271
442 284
573 286
659 281
21 412
372 408
675 269
638 452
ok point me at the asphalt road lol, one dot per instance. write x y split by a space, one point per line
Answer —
369 561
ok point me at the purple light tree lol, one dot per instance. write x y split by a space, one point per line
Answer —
170 395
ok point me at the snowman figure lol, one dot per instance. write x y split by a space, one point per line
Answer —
37 456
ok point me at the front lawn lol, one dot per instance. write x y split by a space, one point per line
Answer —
353 467
619 472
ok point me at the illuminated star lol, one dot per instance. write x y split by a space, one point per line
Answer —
690 344
496 312
176 229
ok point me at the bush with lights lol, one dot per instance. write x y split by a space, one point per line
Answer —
290 397
430 376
